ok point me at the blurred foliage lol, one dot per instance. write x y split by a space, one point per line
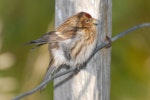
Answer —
22 21
130 70
21 69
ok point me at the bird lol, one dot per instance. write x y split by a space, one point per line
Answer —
72 43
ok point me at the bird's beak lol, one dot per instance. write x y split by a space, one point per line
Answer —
95 21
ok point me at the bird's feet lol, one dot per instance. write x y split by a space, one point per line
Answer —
79 67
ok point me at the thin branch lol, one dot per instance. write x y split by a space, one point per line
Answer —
39 87
130 30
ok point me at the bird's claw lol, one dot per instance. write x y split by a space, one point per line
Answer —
78 67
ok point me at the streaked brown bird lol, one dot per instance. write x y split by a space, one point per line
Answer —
72 43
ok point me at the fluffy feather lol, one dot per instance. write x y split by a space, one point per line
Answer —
72 43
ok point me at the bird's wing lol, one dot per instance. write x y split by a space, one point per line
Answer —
54 36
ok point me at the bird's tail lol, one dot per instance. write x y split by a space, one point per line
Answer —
50 72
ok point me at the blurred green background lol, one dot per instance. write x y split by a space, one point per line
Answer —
22 69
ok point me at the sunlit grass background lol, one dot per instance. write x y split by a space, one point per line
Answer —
22 69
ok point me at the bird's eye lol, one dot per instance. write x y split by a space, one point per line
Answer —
87 21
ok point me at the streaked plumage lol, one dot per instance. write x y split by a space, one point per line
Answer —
72 43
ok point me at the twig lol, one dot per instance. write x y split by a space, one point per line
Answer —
39 87
130 30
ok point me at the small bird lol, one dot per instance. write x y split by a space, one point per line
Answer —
72 43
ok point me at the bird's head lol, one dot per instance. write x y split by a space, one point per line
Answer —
79 20
86 20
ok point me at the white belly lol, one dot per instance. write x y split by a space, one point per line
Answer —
82 57
59 57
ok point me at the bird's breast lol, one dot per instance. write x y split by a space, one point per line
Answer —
76 50
82 50
83 47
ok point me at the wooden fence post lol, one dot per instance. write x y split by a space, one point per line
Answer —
93 82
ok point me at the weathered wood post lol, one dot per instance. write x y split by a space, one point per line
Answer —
93 82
